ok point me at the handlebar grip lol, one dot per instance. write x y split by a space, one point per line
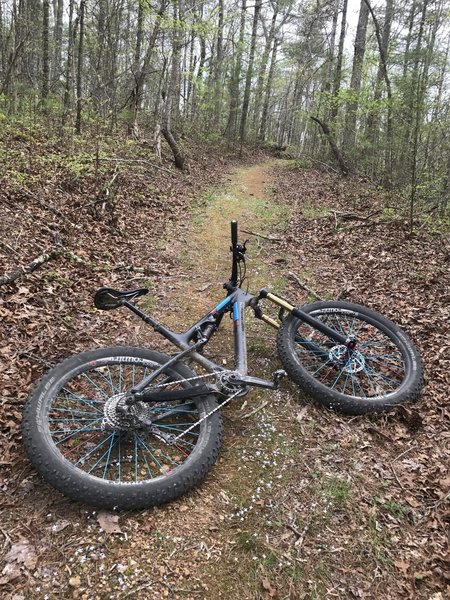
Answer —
234 233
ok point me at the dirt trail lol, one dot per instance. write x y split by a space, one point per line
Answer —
204 249
193 547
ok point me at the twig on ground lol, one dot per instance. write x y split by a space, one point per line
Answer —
300 534
348 216
396 477
403 453
300 283
138 161
9 248
32 266
271 238
37 359
255 410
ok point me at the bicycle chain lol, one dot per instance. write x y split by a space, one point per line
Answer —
222 404
194 425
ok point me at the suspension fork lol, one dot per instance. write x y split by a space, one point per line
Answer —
306 318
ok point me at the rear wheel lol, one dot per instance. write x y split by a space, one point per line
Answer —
81 440
384 368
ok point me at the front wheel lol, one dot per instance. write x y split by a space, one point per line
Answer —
80 439
384 368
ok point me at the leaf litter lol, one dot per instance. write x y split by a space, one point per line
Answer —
367 497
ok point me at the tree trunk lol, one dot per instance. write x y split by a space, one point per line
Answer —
263 67
336 152
57 37
268 92
389 125
330 59
372 123
69 69
80 66
355 83
45 50
417 108
231 128
217 75
172 87
338 70
141 71
248 79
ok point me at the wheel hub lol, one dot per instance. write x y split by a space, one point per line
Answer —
351 362
119 415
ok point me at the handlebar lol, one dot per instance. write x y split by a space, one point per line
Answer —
238 252
234 243
234 233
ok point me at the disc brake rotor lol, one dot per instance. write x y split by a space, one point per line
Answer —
350 363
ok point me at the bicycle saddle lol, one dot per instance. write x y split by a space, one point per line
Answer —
107 298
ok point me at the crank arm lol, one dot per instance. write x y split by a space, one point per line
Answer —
237 379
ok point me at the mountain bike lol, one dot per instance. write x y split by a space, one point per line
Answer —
129 428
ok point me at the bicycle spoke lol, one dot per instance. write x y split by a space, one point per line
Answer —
375 368
95 437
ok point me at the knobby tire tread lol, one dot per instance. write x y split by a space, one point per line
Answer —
336 400
79 485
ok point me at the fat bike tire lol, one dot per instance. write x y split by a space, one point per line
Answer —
384 370
85 447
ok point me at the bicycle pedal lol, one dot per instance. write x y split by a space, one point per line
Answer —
279 375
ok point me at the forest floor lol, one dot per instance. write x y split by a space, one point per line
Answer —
303 503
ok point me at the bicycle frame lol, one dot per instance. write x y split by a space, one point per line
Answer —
196 337
191 341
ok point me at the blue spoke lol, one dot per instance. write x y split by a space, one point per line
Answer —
153 457
113 441
392 382
74 420
107 453
96 386
107 380
135 455
74 410
337 378
369 378
81 430
87 401
59 431
159 426
329 361
99 445
119 449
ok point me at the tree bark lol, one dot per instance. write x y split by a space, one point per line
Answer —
171 97
45 50
389 125
268 92
80 66
248 79
355 83
263 67
336 152
338 70
231 127
69 69
217 76
141 71
57 37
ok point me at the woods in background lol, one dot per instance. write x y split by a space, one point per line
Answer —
374 75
